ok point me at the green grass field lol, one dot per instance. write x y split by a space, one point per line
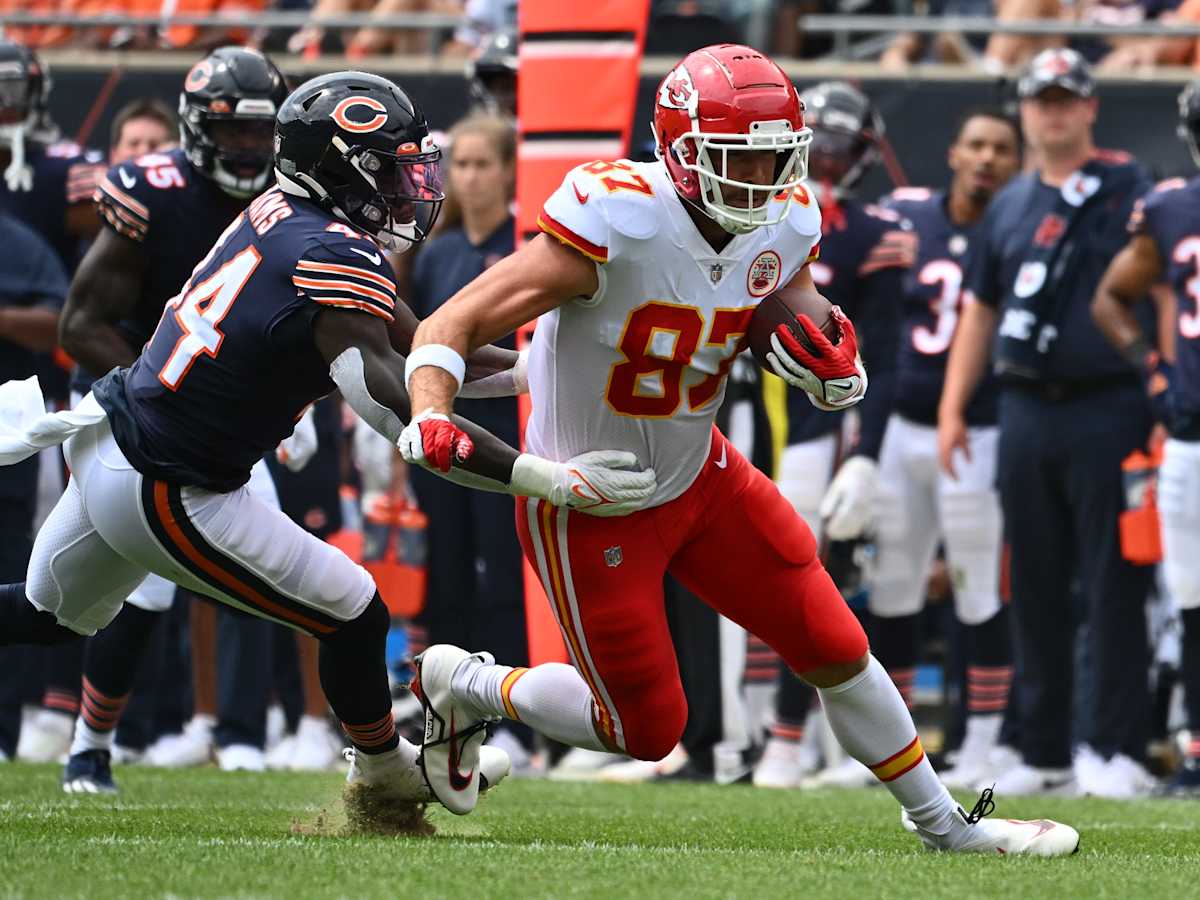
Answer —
204 833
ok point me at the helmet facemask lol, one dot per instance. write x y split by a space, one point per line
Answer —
708 154
233 148
1189 121
404 192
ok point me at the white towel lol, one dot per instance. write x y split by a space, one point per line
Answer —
26 427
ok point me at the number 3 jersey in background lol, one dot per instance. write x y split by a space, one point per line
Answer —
641 366
932 304
160 202
233 363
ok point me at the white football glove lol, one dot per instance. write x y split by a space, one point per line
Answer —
299 447
599 483
848 504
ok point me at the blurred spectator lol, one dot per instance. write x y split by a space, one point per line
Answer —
1116 14
482 19
680 26
140 127
373 39
1071 410
33 288
1148 52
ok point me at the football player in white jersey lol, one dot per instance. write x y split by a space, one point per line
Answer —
645 280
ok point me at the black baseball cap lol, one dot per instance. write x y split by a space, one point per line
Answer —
1056 67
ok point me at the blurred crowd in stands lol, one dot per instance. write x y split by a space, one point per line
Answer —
676 26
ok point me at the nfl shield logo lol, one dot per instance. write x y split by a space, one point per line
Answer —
715 272
613 557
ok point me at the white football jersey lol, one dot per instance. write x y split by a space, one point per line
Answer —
641 365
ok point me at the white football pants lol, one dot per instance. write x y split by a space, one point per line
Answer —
918 506
1179 514
112 526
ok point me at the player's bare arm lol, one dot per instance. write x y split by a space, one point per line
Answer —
965 368
105 289
359 348
491 371
1130 276
540 276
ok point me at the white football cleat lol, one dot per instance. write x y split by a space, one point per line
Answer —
399 771
784 763
45 736
581 764
1123 778
312 746
454 731
848 774
975 834
241 758
1026 780
194 747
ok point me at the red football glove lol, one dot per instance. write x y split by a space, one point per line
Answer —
832 374
433 441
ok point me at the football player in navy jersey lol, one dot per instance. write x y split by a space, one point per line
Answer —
161 451
864 253
47 182
161 212
1164 244
917 505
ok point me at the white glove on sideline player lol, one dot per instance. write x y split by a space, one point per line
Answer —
848 503
600 483
300 446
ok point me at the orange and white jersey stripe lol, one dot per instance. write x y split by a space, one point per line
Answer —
346 285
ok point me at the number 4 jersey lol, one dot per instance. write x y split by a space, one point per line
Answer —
641 366
233 364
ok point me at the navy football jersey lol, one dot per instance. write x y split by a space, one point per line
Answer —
933 290
63 174
177 214
864 250
1023 215
1170 216
233 363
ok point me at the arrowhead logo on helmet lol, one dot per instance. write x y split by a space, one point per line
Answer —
340 115
678 92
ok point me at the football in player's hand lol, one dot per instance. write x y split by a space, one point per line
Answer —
782 308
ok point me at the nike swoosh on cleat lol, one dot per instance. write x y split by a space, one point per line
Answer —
373 257
458 781
582 198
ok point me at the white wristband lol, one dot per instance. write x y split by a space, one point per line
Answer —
533 476
440 357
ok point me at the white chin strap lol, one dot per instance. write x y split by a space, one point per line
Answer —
19 174
301 185
239 187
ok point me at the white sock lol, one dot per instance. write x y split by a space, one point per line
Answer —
87 738
874 726
551 698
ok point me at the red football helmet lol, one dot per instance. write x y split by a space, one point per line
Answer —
729 98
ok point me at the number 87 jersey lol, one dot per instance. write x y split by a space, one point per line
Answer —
641 365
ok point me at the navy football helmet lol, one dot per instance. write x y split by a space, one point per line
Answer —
227 118
846 131
357 146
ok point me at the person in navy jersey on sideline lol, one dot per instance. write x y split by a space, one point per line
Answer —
1071 410
1164 244
917 505
33 287
475 588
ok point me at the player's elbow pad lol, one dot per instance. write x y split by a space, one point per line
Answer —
348 373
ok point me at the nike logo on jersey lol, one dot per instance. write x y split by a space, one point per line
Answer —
458 780
126 179
582 198
722 462
375 258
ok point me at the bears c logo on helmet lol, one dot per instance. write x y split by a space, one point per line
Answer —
374 123
199 76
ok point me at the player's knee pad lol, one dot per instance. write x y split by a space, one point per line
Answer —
654 727
1182 579
368 628
897 576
